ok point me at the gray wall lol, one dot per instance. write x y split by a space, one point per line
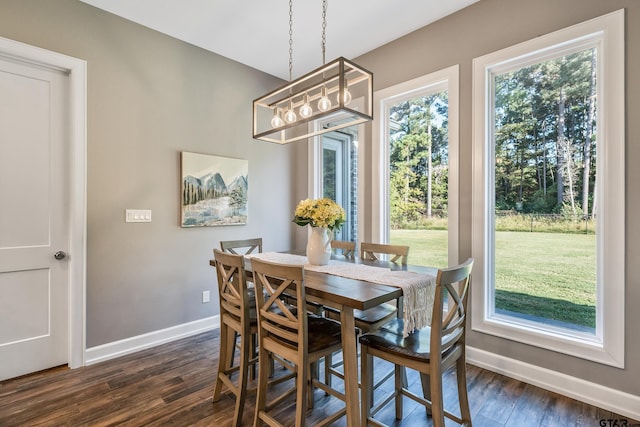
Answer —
149 98
488 26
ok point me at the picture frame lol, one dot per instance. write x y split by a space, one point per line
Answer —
214 190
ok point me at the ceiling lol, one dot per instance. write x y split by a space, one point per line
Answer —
256 32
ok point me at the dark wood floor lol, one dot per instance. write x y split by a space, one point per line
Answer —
172 385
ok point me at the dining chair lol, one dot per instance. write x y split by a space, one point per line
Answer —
371 319
372 251
344 248
245 246
238 319
430 350
293 337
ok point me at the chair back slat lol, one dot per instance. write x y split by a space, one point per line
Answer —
344 248
242 247
397 253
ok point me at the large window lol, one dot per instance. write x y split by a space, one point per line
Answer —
549 191
415 194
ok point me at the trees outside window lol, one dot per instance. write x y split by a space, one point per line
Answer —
418 159
545 124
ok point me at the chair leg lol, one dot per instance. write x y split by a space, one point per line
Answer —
437 405
313 374
303 388
405 380
328 362
245 341
366 380
272 366
461 375
261 393
425 380
222 362
399 378
253 344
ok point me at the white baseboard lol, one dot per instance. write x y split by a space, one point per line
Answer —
597 395
120 348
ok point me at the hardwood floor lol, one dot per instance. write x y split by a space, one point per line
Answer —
172 385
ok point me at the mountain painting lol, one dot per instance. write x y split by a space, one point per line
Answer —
214 190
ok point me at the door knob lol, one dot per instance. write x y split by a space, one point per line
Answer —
59 255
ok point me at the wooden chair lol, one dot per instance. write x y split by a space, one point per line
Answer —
371 319
344 248
293 337
372 251
237 319
431 351
247 245
244 247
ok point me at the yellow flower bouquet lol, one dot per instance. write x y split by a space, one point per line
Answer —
319 213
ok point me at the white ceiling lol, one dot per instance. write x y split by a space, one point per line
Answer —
256 32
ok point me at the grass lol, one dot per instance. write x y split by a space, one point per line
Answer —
548 275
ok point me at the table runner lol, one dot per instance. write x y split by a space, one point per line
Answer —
417 289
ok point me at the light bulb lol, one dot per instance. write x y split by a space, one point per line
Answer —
325 103
290 115
306 110
276 121
346 97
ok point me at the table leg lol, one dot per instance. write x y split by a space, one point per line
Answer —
350 358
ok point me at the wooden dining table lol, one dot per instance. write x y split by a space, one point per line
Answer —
347 295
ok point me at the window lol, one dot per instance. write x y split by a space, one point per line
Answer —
415 161
548 195
339 178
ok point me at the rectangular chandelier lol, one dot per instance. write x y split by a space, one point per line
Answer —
340 93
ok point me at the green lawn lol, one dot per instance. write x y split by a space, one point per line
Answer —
550 275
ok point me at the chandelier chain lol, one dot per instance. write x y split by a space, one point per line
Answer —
324 30
290 40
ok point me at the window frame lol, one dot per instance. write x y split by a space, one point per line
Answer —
606 34
445 79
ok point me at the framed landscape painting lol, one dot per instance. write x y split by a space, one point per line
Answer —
214 190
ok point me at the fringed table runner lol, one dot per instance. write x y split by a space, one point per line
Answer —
417 289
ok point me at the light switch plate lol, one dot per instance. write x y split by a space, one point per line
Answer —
138 215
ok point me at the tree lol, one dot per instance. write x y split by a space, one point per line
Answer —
238 198
418 147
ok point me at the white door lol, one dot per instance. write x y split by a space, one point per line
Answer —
34 285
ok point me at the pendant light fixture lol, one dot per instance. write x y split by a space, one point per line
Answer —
340 93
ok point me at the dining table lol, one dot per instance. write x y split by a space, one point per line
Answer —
347 294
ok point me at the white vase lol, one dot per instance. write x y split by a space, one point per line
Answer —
319 246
